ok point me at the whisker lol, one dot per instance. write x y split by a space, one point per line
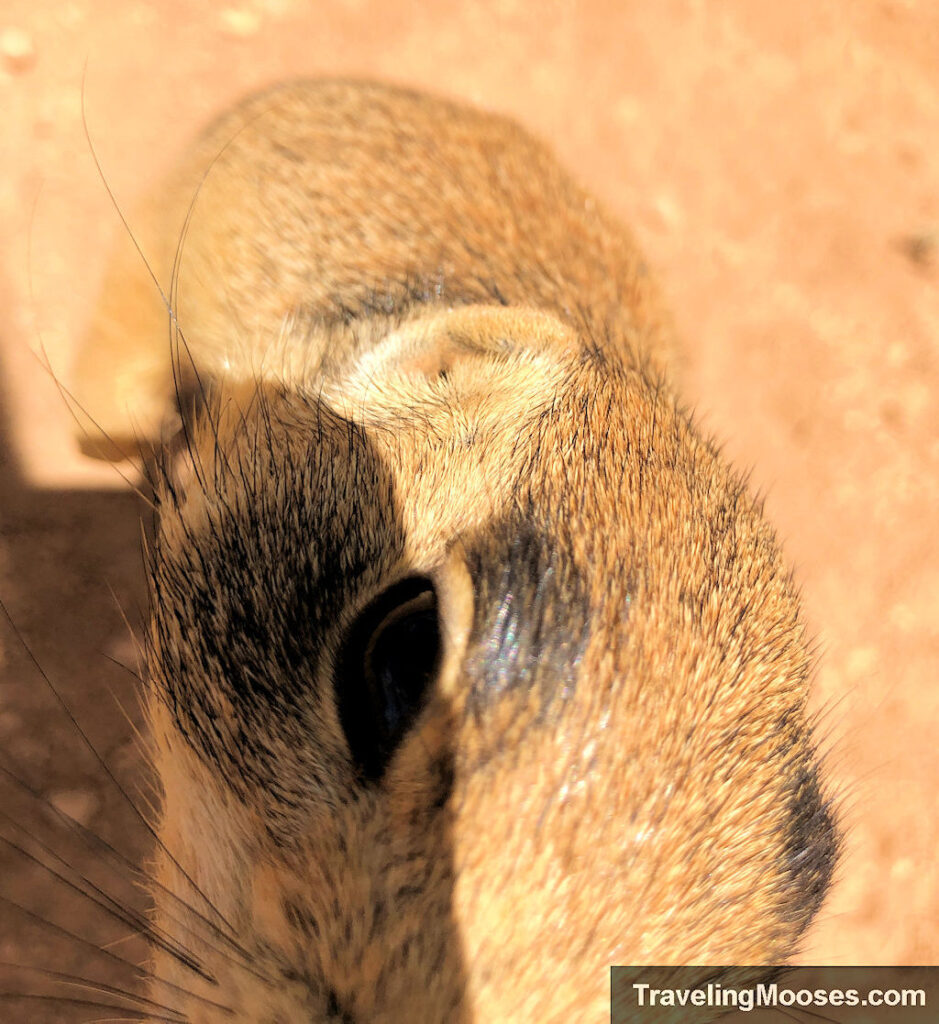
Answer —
69 400
72 404
144 973
73 938
800 1014
178 342
185 427
102 764
113 198
126 668
138 648
126 866
117 1020
90 1004
96 987
177 338
120 1020
110 906
129 937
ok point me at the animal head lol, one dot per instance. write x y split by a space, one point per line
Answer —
463 667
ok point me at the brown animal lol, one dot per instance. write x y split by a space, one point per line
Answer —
473 668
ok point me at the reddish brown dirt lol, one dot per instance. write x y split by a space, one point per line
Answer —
779 163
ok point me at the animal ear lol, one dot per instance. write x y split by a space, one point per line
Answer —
124 385
440 344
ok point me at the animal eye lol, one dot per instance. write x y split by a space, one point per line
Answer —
388 661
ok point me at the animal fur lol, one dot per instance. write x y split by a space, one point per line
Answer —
410 352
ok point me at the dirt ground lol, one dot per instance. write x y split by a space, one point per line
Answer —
780 166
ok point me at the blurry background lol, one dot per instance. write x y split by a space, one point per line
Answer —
779 164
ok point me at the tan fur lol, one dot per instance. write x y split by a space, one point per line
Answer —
414 288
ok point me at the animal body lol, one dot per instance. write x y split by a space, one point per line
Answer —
472 667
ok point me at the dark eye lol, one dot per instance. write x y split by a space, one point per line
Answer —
388 660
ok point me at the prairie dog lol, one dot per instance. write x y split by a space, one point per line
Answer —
472 667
